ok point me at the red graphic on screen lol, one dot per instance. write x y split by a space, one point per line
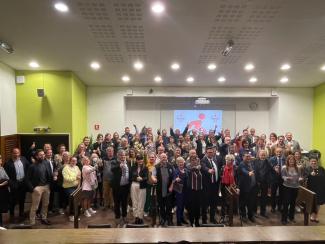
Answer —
197 124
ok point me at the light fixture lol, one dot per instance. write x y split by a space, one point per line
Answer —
228 48
175 66
253 79
190 79
157 8
285 66
249 67
323 68
95 65
62 7
6 47
157 79
211 66
221 79
284 79
125 78
34 64
138 65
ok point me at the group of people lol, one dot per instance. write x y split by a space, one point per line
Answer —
154 175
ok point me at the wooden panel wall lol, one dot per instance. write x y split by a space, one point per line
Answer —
7 143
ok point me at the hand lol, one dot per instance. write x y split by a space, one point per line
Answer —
178 179
289 178
154 180
170 189
251 173
211 171
139 178
300 179
313 173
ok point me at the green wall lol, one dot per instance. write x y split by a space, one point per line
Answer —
319 120
65 97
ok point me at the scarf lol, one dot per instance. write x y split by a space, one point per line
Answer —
228 175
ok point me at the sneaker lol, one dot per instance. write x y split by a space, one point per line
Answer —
87 214
61 211
71 218
91 211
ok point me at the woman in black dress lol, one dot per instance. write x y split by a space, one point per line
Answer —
316 183
4 192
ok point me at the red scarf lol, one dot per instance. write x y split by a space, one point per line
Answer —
228 175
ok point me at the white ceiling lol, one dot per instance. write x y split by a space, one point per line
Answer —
192 32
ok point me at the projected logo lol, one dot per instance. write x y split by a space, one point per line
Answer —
198 120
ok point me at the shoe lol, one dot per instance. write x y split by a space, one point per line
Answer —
252 219
197 224
264 216
136 222
213 221
141 221
61 211
244 219
162 222
87 214
179 224
91 211
71 218
204 222
292 220
184 222
284 222
170 223
45 222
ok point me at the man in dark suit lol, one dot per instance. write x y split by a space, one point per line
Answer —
211 180
16 169
54 186
121 170
247 187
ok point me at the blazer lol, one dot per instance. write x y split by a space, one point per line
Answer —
143 174
276 177
12 174
245 181
33 175
117 174
205 164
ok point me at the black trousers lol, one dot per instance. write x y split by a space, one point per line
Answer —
263 187
165 208
120 196
210 198
247 201
276 201
289 202
17 196
194 202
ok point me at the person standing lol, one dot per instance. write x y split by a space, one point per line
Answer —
16 169
4 191
39 178
108 161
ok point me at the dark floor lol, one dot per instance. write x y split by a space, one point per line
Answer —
107 217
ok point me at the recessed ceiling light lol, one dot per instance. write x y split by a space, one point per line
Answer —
157 8
285 66
95 65
190 79
284 79
138 65
221 79
34 64
157 79
175 66
253 79
249 67
211 66
125 78
62 7
323 68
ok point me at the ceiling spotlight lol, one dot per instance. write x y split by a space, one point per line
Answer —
323 68
253 79
138 65
212 66
228 48
249 67
285 67
34 64
284 79
157 8
175 66
190 79
157 79
62 7
95 65
221 79
125 78
6 47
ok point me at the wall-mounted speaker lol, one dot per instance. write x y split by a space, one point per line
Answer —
40 92
20 79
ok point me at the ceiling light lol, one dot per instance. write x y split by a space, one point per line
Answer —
6 47
249 67
221 79
323 68
138 65
175 66
190 79
212 66
228 48
62 7
284 79
95 65
34 64
253 79
158 8
125 78
285 67
157 79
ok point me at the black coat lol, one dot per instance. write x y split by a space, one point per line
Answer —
316 183
170 170
117 174
263 171
143 174
33 175
11 172
244 180
205 164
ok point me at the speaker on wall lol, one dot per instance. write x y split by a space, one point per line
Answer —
20 79
40 92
